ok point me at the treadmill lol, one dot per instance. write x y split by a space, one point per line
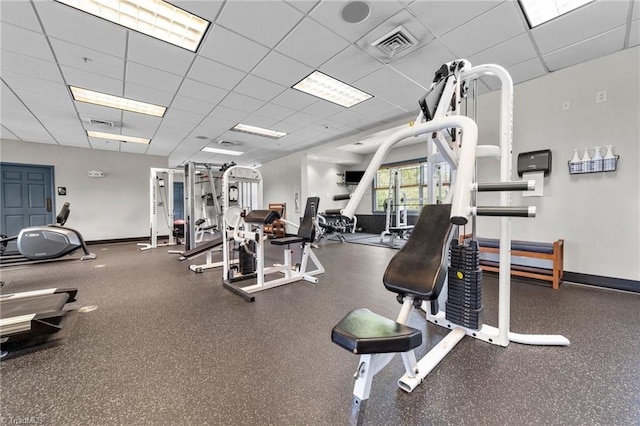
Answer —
32 318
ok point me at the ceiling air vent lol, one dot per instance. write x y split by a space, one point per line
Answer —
101 123
228 143
395 42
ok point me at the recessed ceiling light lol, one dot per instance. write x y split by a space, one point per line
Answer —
103 99
115 137
155 18
254 130
540 11
332 90
221 151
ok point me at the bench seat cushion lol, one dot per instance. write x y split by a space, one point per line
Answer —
365 332
531 246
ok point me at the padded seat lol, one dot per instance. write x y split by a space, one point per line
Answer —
365 332
286 241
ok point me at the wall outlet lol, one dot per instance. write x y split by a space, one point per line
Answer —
601 96
566 105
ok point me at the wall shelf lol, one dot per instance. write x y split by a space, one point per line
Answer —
591 162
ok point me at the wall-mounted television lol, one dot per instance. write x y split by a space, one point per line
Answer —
353 177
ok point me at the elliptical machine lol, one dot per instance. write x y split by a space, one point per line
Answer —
38 243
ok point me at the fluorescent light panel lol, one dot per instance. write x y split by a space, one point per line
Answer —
221 151
115 137
259 131
103 99
155 18
332 90
541 11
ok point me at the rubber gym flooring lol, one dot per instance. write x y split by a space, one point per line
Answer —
166 346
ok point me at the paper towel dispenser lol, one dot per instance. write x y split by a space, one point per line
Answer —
535 161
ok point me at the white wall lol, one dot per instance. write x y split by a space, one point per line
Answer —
281 180
116 206
324 181
598 215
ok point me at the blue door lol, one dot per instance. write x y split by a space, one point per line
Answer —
25 198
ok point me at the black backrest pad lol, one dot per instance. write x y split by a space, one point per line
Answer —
63 215
419 268
263 217
307 229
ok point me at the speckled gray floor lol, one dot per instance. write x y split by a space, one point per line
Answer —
170 347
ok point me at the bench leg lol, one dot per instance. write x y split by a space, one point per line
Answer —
369 366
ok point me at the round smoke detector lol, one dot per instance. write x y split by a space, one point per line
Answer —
355 11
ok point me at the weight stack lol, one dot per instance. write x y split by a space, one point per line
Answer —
464 297
247 261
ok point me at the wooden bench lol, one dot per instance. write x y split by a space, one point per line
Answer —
553 252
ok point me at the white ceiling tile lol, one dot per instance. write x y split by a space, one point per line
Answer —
494 27
260 121
289 126
275 112
592 48
213 126
27 65
372 106
151 77
205 9
422 64
259 88
19 13
525 71
104 144
153 96
431 13
17 118
282 70
25 42
159 149
263 21
88 111
223 46
302 118
157 54
242 102
346 117
65 127
350 65
48 106
191 105
214 73
69 24
323 109
133 148
87 80
311 43
72 55
634 34
180 119
295 99
328 13
511 52
134 124
7 134
383 80
570 28
303 6
224 113
20 82
402 95
204 92
636 10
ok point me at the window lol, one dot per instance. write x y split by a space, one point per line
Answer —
413 180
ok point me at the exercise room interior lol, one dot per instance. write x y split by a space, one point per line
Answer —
320 212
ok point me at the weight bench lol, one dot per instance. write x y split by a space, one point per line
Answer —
416 273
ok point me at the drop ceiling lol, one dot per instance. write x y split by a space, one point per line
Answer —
252 54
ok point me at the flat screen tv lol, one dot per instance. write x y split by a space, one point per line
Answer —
353 177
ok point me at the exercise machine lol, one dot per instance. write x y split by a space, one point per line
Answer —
331 222
46 243
419 271
395 206
161 202
32 317
245 223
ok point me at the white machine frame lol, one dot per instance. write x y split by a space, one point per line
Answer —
154 203
244 232
462 161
